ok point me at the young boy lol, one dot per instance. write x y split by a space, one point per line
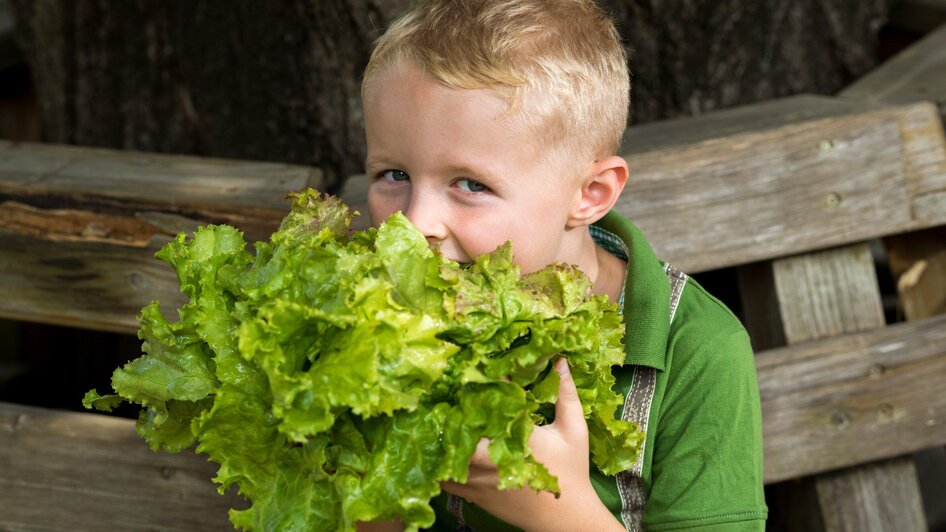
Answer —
496 120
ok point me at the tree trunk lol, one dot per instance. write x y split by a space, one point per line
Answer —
275 81
280 81
693 56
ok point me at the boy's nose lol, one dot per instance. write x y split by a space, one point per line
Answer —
426 212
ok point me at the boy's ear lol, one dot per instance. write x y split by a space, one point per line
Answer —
599 191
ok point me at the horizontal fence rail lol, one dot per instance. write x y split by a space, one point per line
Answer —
86 222
826 404
767 182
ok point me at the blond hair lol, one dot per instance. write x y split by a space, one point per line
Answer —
558 64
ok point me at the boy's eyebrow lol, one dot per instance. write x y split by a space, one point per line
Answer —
377 161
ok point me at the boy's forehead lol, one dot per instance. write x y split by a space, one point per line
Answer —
405 91
402 95
406 74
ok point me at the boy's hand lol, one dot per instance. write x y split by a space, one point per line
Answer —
380 526
563 448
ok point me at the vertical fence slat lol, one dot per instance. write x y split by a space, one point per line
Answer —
821 295
918 265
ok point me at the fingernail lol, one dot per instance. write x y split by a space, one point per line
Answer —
563 368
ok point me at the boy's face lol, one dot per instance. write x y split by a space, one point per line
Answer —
455 166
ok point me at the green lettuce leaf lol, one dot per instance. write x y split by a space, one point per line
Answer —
339 376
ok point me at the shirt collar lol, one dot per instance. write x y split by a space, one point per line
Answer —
646 296
615 246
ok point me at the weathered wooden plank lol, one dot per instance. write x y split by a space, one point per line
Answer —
758 117
776 192
91 285
839 288
785 185
854 398
117 192
918 264
894 479
796 187
79 226
756 195
823 294
916 74
917 260
68 471
826 405
924 148
221 184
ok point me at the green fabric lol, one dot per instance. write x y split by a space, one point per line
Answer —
646 296
703 453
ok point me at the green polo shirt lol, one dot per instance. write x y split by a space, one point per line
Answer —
702 462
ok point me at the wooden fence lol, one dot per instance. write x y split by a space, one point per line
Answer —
790 192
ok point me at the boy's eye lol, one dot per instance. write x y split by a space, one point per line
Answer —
468 185
395 176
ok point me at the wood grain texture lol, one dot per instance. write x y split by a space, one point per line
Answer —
164 191
67 471
918 264
776 192
917 260
826 405
898 509
79 226
224 183
853 399
924 163
769 192
770 114
83 284
828 293
824 295
784 182
917 73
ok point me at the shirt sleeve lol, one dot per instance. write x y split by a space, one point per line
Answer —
706 468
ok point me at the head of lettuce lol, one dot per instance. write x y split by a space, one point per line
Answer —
339 376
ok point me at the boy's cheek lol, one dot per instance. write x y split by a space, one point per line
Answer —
378 209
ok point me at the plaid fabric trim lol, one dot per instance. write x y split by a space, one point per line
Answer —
615 246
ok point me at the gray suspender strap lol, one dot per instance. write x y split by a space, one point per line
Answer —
678 280
455 507
637 409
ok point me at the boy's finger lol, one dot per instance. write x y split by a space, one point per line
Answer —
480 457
568 412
